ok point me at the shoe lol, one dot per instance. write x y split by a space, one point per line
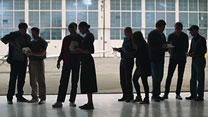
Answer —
21 99
190 98
138 99
179 97
145 101
87 106
165 97
42 102
33 100
57 105
161 98
122 99
9 102
129 100
199 99
155 99
72 104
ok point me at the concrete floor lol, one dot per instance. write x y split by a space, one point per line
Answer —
107 70
106 105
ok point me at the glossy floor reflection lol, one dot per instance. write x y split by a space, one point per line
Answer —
107 106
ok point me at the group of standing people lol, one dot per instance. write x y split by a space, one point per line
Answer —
75 53
20 48
150 57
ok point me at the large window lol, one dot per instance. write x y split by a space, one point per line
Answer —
124 13
48 15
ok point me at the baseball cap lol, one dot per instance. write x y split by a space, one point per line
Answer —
194 27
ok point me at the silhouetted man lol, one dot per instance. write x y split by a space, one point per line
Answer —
158 46
179 41
197 52
18 61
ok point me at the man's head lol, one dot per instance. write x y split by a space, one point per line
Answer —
35 32
194 30
128 32
22 28
72 27
160 25
178 27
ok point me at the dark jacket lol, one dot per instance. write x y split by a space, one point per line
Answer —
65 53
198 46
127 44
143 60
156 40
180 44
15 51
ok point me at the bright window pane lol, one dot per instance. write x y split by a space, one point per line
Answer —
19 17
34 19
193 19
193 5
93 19
8 4
81 16
170 19
82 4
56 4
170 5
19 4
150 20
202 19
125 4
203 5
93 5
34 4
126 19
44 19
70 17
183 5
160 5
115 19
115 4
45 4
115 34
136 4
71 4
149 4
7 19
1 21
56 34
136 19
183 18
160 15
56 19
45 34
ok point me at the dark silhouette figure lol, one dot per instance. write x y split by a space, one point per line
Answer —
18 61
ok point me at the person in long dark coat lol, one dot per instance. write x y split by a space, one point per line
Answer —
88 82
143 68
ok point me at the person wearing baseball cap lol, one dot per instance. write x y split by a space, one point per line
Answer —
197 52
